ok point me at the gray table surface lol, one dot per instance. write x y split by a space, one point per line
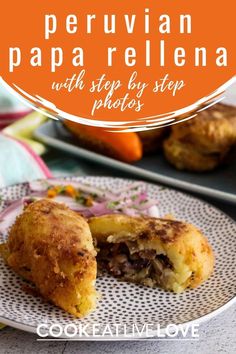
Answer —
216 336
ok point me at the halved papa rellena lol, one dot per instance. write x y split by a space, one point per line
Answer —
122 146
154 252
52 247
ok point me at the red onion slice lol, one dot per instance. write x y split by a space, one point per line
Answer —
131 200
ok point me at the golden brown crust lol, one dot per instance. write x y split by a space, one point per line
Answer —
202 143
168 231
211 131
187 157
51 246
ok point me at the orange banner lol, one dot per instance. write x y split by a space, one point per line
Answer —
117 64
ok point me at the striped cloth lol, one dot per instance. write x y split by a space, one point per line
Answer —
20 162
11 109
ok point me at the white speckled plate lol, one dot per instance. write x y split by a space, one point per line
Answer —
129 304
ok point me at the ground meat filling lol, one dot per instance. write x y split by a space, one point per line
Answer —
129 263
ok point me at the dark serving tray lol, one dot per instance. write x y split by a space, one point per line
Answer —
220 184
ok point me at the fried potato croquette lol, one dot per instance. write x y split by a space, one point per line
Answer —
154 252
210 131
202 143
186 157
52 247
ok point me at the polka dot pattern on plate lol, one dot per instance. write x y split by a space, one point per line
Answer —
125 303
